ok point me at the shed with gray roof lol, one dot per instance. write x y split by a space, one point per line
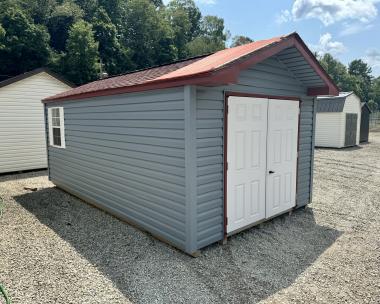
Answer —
338 121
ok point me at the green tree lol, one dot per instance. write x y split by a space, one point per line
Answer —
356 78
63 17
115 58
25 45
148 34
166 50
213 37
39 10
352 83
115 9
201 46
179 20
88 7
81 62
240 40
336 69
375 91
361 69
2 36
193 13
157 3
362 72
212 27
373 106
131 34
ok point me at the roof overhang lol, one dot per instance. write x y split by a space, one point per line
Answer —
225 74
293 40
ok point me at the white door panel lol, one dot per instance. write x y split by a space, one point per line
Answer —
281 156
246 158
261 158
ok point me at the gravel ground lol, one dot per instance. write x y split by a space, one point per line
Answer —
57 249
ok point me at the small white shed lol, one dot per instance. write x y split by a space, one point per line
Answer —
22 130
338 121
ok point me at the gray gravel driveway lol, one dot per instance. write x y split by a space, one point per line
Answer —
56 249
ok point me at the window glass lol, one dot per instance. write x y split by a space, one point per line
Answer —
57 136
56 128
56 122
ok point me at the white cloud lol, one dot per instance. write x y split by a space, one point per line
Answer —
332 11
354 28
284 16
372 57
328 45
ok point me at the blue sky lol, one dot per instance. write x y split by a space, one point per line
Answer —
348 29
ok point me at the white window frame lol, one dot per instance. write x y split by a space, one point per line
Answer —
61 127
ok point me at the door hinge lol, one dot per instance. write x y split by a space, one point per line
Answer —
227 108
226 221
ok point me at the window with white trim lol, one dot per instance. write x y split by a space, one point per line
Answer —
56 127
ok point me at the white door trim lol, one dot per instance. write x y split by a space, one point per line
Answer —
226 175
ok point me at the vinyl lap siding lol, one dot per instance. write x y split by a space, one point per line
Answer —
126 154
270 77
209 140
22 133
353 105
305 152
330 129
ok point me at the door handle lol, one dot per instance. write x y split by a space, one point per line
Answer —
271 172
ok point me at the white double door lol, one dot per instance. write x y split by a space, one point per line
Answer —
262 137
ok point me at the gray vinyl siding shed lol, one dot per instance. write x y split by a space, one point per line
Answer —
265 78
155 158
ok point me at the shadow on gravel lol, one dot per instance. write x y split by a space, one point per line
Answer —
252 266
345 149
22 174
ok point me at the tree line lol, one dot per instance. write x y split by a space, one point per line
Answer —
357 77
81 39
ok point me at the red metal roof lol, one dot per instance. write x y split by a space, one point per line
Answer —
219 59
126 80
213 69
